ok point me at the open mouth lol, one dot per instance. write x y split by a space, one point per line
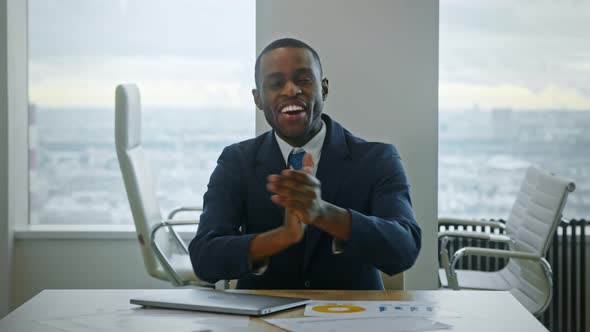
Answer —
292 110
292 113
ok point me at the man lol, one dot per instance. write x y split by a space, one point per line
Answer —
307 204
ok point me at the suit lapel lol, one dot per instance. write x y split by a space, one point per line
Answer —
269 160
334 166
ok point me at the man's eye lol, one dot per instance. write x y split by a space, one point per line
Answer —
305 80
274 85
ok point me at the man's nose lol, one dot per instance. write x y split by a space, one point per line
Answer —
291 89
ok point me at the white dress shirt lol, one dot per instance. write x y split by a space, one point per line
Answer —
314 146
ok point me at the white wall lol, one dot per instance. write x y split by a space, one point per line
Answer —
381 58
5 231
78 264
13 139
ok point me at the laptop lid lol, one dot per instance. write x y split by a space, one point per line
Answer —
219 301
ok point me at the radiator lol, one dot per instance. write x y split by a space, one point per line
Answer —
567 256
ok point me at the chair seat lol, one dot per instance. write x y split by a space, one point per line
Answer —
477 280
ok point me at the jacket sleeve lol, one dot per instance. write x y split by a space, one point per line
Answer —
389 238
219 249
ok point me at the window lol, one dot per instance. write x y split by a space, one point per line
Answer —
514 90
193 62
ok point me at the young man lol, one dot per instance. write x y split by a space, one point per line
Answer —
307 204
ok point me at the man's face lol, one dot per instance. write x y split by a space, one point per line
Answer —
291 93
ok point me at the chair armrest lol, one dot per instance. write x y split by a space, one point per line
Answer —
174 223
183 209
177 280
452 274
450 267
466 251
493 253
445 236
476 235
171 224
468 222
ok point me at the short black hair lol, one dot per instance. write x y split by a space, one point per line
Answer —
279 43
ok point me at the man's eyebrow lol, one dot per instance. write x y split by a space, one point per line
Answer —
273 75
303 70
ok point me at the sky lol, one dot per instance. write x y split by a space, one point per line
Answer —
181 53
518 54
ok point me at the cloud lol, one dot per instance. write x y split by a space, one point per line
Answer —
141 27
182 53
535 46
457 96
181 82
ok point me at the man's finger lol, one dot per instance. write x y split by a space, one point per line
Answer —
307 163
298 176
286 186
290 204
304 194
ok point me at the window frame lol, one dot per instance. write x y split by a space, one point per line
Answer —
14 171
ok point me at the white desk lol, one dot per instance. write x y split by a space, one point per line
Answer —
478 311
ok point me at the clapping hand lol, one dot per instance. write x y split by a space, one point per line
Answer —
299 192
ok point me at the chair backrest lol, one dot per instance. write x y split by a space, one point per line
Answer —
138 178
537 210
533 220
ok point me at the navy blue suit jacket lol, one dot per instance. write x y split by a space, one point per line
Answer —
366 178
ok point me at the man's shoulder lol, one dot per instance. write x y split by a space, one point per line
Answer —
361 147
247 148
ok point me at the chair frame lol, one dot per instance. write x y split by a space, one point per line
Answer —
450 265
170 224
127 138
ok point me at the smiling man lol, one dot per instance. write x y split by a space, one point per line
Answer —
307 204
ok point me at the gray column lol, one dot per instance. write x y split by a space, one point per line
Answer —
381 58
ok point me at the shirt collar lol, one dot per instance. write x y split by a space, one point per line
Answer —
314 146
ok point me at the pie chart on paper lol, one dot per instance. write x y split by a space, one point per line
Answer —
337 308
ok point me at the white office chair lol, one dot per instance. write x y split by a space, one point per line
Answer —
165 255
532 222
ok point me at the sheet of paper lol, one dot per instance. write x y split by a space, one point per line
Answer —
144 319
374 324
351 309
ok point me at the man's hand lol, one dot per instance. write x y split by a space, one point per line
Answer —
299 192
293 229
294 191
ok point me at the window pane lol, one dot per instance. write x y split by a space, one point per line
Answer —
514 90
193 63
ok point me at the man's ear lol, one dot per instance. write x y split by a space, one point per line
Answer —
256 96
324 88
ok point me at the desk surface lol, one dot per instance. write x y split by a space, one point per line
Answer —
478 310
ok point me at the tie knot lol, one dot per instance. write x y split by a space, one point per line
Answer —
296 159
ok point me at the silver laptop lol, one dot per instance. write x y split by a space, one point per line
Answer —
219 301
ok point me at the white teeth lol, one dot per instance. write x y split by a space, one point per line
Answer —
291 108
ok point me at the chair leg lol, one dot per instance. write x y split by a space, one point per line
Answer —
444 258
